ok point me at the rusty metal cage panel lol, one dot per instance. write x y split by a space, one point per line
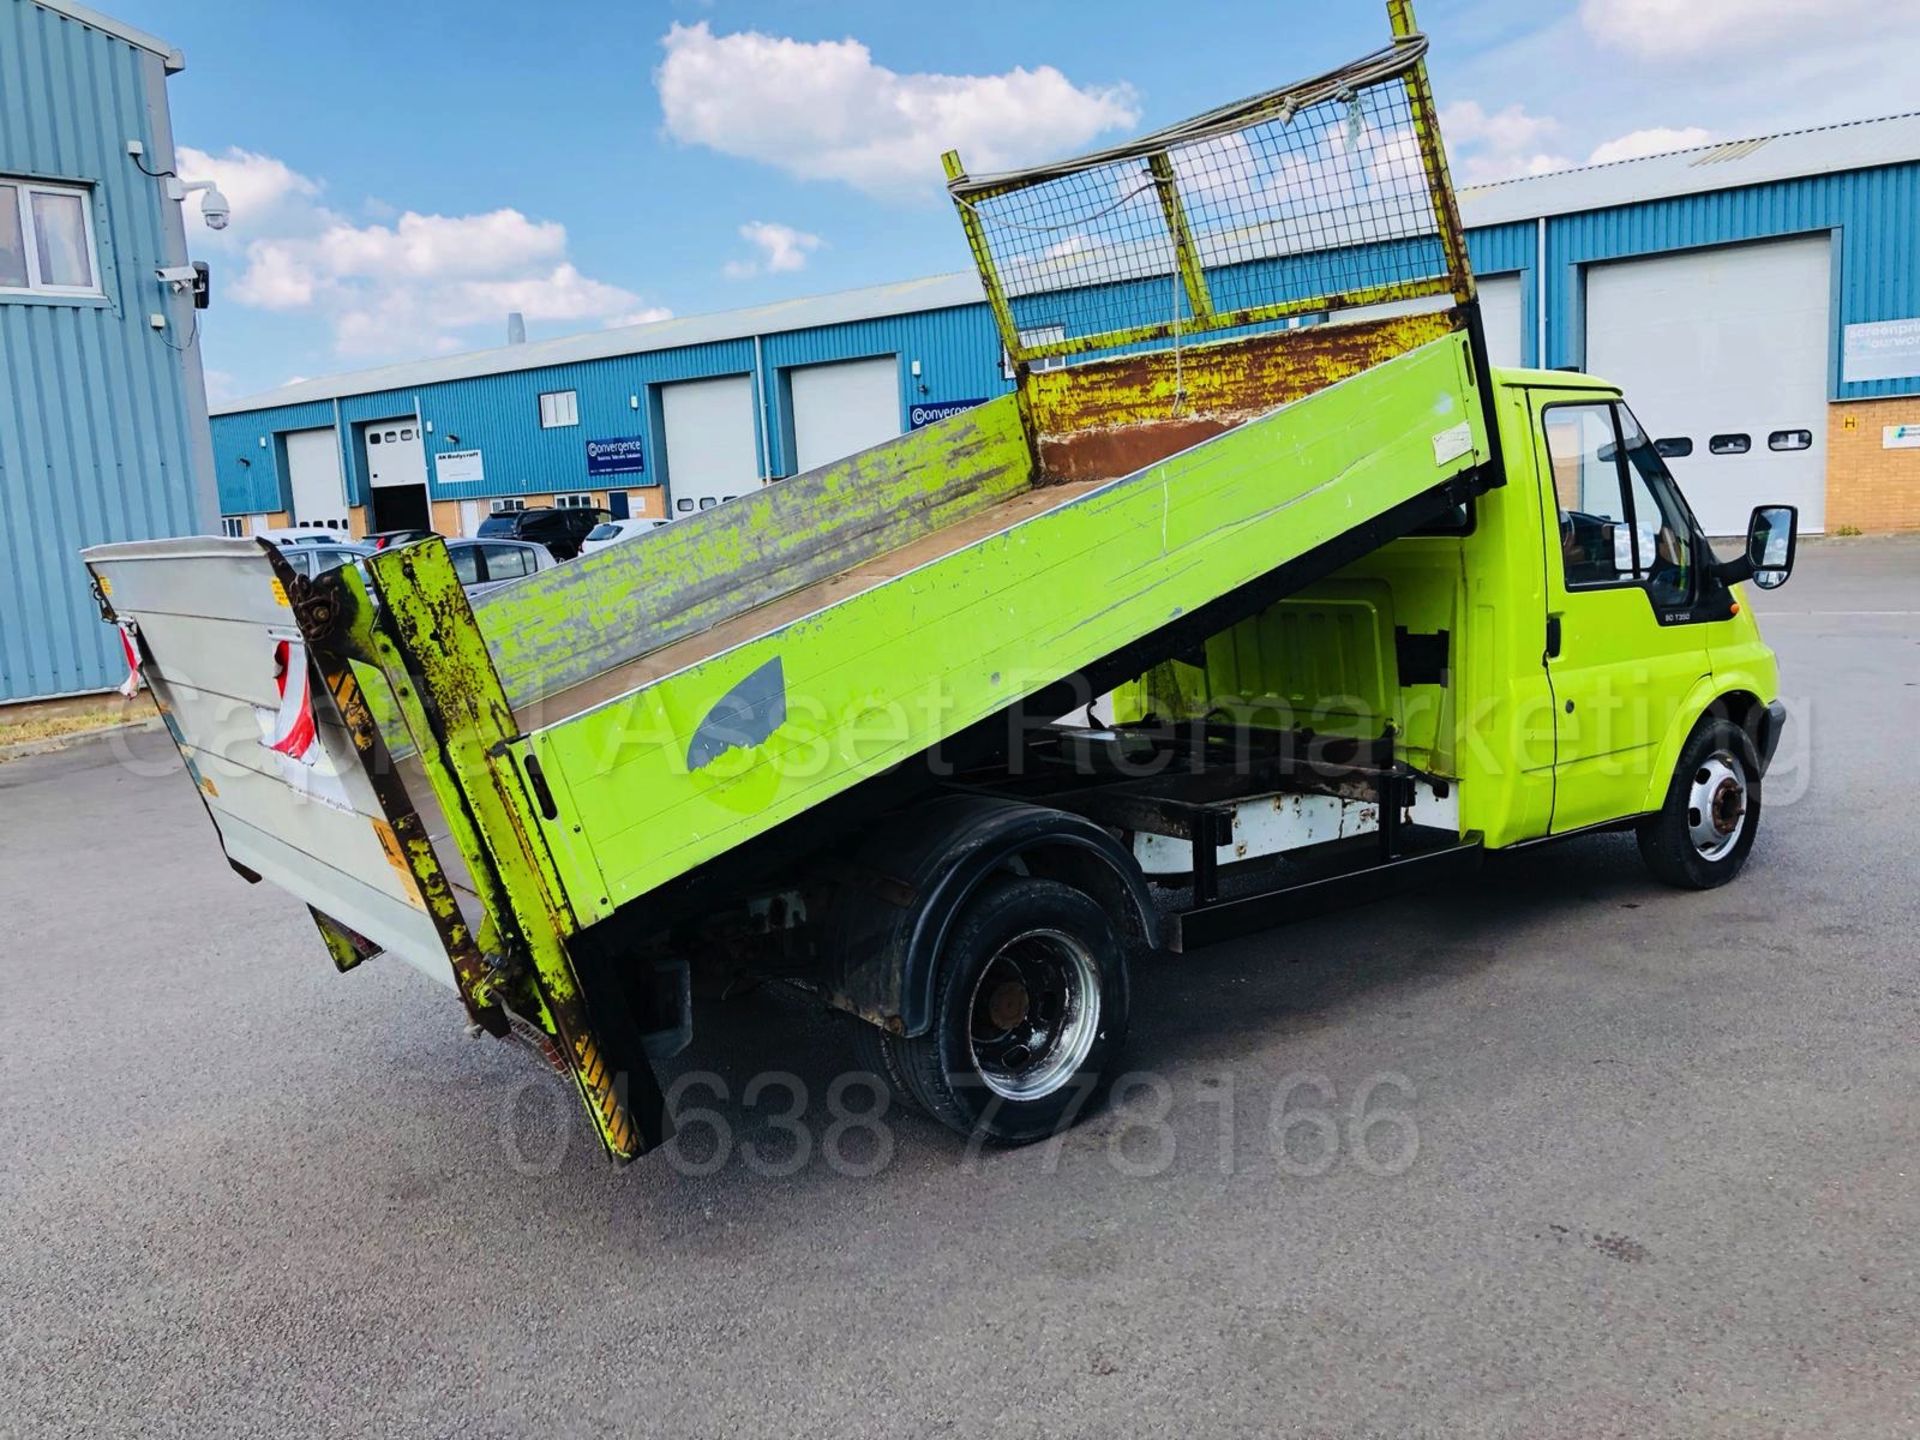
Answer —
1324 195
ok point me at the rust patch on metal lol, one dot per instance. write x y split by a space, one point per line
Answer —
1120 449
1109 418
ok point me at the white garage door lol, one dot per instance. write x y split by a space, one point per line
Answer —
1725 349
839 410
395 453
711 453
313 468
1500 316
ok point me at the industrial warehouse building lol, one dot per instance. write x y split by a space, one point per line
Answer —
1759 300
103 430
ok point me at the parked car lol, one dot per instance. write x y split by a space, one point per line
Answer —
304 535
385 539
318 557
561 531
482 564
612 532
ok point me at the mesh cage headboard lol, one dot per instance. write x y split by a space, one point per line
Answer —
1321 196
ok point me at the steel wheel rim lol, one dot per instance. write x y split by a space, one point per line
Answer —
1717 805
1034 1014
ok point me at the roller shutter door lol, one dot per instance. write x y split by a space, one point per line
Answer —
313 472
1500 315
1727 344
711 453
839 410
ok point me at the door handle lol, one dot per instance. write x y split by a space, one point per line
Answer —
1553 637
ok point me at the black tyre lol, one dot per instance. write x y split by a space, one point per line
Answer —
1030 1015
1702 834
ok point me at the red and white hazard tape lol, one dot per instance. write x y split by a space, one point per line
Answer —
294 732
130 687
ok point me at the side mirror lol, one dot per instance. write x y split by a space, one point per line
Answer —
1773 532
1772 535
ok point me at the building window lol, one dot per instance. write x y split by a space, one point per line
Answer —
234 525
559 408
501 507
1729 445
573 502
1790 440
46 239
1674 447
1037 335
373 437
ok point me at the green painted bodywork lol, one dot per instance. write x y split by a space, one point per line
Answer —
571 624
1527 765
892 670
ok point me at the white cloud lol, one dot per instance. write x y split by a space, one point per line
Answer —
646 315
412 285
1487 146
1692 29
1656 140
825 111
424 247
257 186
781 247
276 277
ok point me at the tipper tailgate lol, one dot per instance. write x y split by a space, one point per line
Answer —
220 648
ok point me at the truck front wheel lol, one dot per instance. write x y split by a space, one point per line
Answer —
1030 1014
1701 836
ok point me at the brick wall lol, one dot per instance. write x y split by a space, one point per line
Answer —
1869 486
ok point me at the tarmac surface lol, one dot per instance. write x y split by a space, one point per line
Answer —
1557 1153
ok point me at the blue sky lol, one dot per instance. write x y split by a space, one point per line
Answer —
402 175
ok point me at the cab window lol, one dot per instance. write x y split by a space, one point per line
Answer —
1622 522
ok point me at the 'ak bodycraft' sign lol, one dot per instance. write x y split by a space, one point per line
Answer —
620 455
460 467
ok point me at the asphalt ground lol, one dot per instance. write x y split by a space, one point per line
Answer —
1558 1152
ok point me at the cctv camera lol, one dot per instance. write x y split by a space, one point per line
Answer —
178 276
214 209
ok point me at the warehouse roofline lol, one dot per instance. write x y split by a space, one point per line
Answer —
86 15
872 302
1724 165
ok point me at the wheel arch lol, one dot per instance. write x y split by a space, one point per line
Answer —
918 869
1713 697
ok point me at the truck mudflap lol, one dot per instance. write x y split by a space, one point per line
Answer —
288 700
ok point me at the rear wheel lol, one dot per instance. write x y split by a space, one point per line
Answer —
1701 836
1030 1015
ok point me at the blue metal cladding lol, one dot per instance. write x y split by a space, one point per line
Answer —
249 471
499 415
1507 249
1872 212
958 350
102 429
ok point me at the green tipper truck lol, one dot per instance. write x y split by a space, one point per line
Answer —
1353 607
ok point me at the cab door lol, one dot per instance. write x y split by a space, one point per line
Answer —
1623 571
